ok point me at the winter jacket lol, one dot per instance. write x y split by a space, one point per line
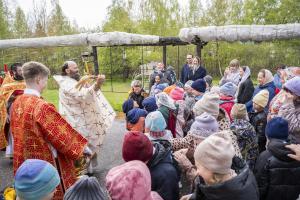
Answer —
164 176
184 73
271 89
276 103
227 103
165 78
170 117
139 126
246 90
259 122
138 98
277 81
277 175
199 73
170 73
246 139
291 113
241 187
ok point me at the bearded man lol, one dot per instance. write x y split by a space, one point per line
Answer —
84 106
13 86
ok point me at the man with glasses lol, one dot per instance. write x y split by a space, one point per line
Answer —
186 69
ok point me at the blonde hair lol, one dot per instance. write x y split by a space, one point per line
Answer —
32 69
234 63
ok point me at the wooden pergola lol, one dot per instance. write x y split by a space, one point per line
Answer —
107 39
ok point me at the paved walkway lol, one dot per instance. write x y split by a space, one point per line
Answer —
110 156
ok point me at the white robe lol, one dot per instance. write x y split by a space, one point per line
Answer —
87 111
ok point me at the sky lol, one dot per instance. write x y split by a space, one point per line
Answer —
87 13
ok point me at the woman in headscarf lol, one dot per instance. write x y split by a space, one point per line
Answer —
245 86
265 82
290 110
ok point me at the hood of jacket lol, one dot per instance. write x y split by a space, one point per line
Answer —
162 153
279 151
242 186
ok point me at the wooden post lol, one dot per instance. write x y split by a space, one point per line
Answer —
198 50
95 55
165 55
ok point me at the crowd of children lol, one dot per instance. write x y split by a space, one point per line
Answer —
228 141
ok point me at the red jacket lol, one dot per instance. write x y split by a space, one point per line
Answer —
227 103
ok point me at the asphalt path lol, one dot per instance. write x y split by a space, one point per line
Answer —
110 156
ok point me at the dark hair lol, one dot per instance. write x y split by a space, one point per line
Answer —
280 66
244 68
14 66
63 69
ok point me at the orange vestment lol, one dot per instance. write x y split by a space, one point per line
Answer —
35 126
8 87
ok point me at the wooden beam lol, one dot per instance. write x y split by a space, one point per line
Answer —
233 33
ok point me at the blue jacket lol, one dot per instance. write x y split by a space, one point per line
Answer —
277 81
270 87
184 73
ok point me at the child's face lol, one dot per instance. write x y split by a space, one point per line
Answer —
196 93
157 79
188 90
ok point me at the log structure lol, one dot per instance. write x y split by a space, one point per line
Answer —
244 33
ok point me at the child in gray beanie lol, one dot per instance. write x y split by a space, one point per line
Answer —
86 188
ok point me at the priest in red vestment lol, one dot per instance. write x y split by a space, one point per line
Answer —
40 132
13 85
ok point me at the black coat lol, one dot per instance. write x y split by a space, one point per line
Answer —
246 90
164 175
200 73
241 187
278 176
184 73
165 78
259 122
139 98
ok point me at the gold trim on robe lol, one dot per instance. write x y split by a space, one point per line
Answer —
8 87
38 128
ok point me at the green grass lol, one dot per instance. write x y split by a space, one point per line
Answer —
115 99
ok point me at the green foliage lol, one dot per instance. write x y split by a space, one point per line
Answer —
4 30
156 17
20 28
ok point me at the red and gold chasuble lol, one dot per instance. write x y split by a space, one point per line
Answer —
36 126
8 88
